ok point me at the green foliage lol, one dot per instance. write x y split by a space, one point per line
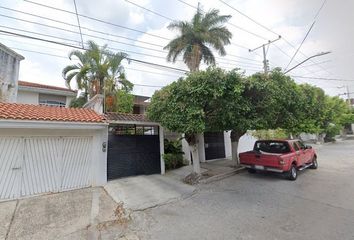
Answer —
124 102
270 134
216 100
197 103
78 102
174 147
265 102
173 161
96 66
195 38
173 156
331 131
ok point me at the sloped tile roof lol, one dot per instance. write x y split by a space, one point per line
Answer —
46 113
113 116
43 86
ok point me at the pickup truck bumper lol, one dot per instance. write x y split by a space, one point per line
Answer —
263 168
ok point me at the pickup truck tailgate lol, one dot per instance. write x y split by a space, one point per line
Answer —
260 159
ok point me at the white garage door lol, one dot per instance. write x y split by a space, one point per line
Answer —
34 165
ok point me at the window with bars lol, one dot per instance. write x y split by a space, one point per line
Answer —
141 130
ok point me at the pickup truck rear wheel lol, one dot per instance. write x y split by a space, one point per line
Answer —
314 163
292 174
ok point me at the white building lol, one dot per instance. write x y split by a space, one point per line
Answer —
40 94
9 69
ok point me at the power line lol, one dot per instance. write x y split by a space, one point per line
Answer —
145 71
76 26
96 19
78 23
40 34
77 47
143 85
231 24
64 57
94 36
322 78
270 30
139 61
249 18
85 28
42 53
67 30
170 19
297 50
319 10
149 10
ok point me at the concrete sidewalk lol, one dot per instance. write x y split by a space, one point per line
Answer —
142 192
66 215
210 170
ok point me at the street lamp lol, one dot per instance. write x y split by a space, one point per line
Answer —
316 55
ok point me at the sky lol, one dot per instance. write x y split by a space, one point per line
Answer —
142 34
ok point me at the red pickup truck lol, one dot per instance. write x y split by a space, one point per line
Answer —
283 156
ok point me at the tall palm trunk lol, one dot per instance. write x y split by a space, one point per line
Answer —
195 59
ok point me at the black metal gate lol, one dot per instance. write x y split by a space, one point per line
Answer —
133 150
214 145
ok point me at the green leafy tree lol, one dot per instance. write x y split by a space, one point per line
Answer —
78 102
312 109
336 115
266 102
195 105
197 37
124 101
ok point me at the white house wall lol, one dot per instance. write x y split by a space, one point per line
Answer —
27 97
246 143
9 69
227 143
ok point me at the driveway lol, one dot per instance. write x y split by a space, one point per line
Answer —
67 215
91 213
318 205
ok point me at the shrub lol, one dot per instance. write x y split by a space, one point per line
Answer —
270 134
173 161
174 147
331 131
173 156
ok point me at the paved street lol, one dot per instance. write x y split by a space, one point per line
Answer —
318 205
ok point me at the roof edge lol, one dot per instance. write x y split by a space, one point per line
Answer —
11 52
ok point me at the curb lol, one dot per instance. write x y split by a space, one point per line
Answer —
222 176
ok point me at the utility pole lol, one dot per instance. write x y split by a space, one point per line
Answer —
265 61
348 96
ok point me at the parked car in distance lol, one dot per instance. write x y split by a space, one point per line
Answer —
282 156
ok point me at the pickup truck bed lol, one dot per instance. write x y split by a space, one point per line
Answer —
282 156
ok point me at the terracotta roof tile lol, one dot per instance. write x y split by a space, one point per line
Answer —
38 85
45 113
112 116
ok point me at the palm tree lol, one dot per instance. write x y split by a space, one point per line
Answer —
96 66
196 37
